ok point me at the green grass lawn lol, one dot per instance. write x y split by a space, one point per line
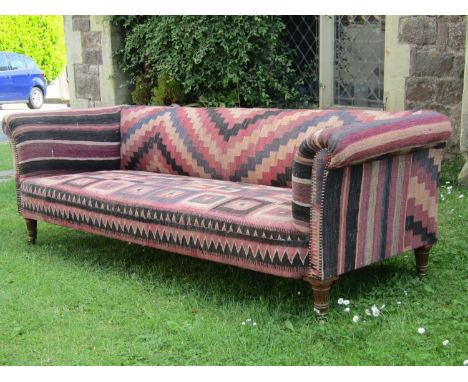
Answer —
80 299
6 159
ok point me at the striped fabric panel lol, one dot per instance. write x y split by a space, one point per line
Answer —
302 187
371 211
65 141
319 175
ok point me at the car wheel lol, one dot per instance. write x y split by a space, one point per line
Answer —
36 98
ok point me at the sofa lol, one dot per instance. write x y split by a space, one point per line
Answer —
309 194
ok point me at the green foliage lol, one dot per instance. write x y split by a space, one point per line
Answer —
167 92
451 169
39 37
142 92
229 60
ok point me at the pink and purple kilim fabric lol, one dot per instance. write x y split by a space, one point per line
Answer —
234 223
294 193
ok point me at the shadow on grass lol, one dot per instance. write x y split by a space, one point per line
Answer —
216 282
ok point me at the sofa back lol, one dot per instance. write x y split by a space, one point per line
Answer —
255 146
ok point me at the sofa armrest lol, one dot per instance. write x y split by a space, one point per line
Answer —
358 143
349 145
57 142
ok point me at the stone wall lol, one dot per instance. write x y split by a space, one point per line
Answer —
94 79
436 71
463 176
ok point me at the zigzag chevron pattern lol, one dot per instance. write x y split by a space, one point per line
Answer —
423 185
254 146
246 225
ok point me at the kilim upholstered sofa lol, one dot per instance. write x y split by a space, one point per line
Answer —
306 194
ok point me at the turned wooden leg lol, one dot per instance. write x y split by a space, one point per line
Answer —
321 291
32 230
422 258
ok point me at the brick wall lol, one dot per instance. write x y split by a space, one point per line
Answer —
437 59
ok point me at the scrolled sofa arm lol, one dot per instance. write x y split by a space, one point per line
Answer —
55 142
388 135
65 141
348 145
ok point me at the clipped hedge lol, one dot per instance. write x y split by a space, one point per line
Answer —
216 60
39 37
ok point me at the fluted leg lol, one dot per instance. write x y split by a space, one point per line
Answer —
422 259
32 230
321 292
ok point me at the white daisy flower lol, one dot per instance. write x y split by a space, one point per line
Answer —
445 342
254 324
368 312
243 322
347 309
340 301
298 292
398 302
375 311
421 331
465 362
346 302
461 196
355 319
248 320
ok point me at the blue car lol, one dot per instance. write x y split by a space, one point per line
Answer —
21 80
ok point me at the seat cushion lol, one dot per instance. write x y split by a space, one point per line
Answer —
245 225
